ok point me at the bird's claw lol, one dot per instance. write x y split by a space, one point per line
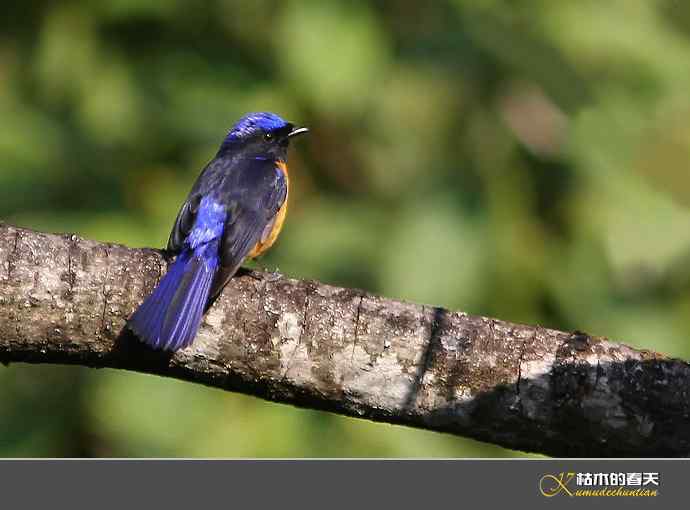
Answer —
266 275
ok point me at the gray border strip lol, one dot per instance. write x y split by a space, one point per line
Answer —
419 484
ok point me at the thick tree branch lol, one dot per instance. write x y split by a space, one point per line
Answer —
65 300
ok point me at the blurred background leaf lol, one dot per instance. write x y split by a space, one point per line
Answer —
526 160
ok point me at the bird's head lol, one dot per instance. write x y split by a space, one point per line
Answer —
261 134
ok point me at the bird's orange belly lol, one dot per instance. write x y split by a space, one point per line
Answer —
268 241
276 224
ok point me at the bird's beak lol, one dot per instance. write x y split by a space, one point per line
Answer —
297 131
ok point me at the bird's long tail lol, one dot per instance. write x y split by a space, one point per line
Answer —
170 317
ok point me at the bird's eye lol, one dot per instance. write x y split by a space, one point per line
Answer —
268 136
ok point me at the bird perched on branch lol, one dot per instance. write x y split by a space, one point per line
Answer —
235 210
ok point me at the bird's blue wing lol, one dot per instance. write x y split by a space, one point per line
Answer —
212 176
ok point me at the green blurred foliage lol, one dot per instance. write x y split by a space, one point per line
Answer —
524 160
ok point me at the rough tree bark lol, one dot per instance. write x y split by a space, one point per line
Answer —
65 300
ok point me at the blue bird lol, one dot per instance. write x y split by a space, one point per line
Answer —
235 210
